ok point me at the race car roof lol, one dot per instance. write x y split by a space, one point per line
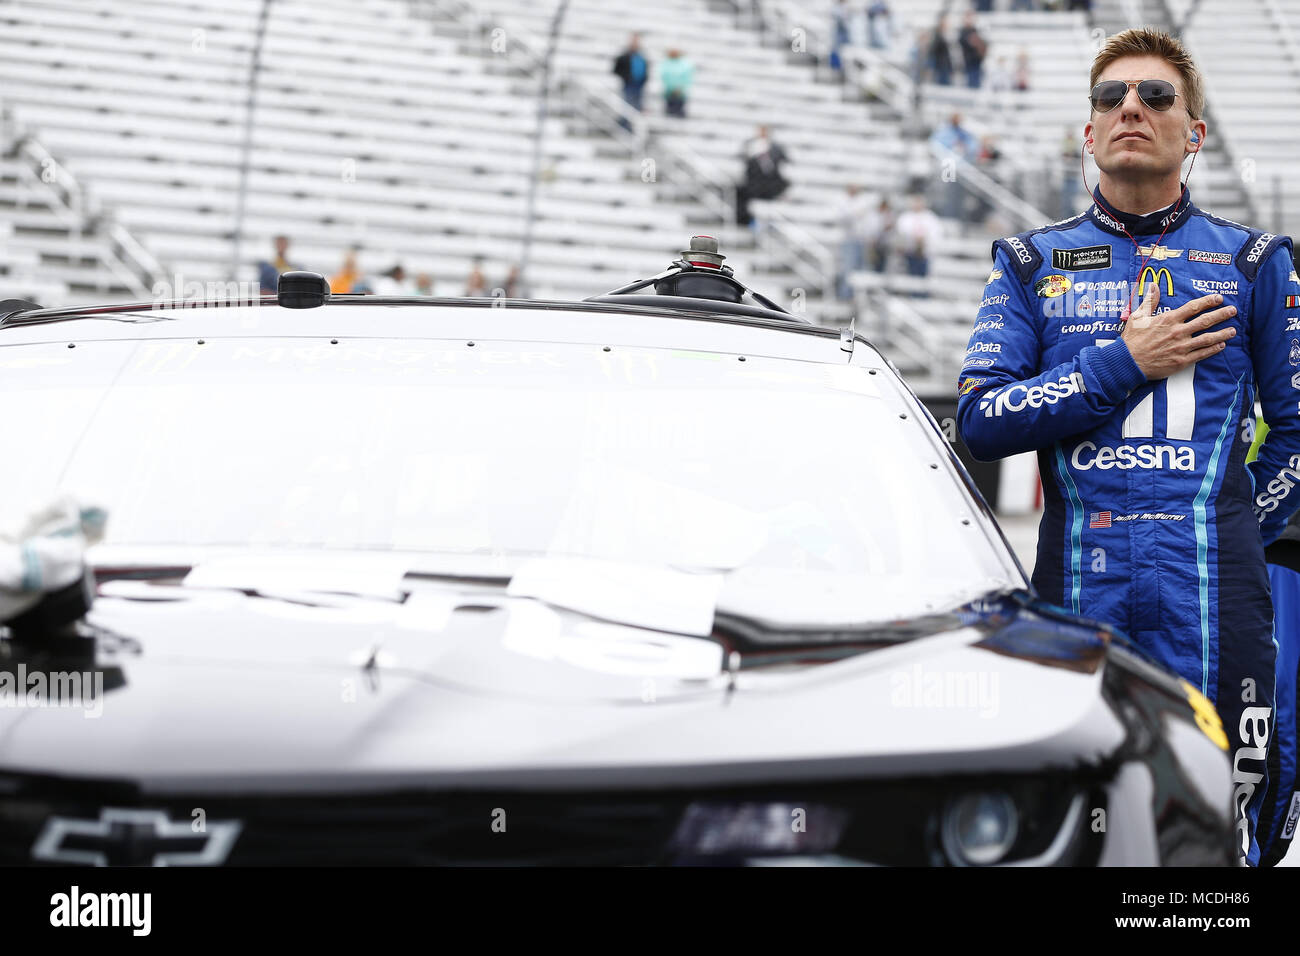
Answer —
697 324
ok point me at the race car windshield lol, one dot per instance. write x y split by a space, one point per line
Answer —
801 481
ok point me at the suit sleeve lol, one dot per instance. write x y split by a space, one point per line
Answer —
1006 404
1275 352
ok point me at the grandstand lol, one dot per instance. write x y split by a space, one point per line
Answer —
405 128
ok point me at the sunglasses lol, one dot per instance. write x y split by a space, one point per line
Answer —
1108 94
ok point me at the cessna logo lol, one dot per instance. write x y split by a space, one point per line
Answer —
1015 398
1252 730
1278 488
1103 218
1155 276
1082 259
1258 248
1088 456
1159 253
134 838
1019 249
993 276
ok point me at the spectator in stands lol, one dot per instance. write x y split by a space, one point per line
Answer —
973 50
853 241
476 284
940 54
763 176
841 16
1000 80
1022 70
424 284
392 282
678 74
511 286
879 233
919 57
917 232
956 138
880 25
989 160
346 279
269 271
633 69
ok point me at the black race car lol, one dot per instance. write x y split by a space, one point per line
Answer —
665 576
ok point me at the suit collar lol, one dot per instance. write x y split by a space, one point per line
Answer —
1107 217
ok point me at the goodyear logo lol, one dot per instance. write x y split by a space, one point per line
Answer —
1155 276
1049 287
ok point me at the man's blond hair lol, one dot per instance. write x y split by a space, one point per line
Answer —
1148 42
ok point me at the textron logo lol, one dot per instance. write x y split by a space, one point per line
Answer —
1015 398
1155 277
1088 455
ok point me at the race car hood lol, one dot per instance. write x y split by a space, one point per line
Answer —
225 691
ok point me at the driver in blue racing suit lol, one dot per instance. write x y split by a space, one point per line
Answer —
1127 346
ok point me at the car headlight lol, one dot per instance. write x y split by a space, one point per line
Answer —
979 829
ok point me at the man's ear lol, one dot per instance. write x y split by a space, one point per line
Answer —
1087 137
1196 137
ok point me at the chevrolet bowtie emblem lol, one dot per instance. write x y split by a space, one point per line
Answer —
123 837
1160 253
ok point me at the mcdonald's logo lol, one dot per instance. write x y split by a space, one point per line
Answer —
1155 277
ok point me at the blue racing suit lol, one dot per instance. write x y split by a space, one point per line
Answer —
1152 520
1281 810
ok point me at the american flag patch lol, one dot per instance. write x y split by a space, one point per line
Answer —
1099 519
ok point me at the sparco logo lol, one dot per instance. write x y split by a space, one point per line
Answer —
1253 734
1088 456
1258 247
1278 488
1015 398
1021 252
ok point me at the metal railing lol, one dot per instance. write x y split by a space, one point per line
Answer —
81 214
781 240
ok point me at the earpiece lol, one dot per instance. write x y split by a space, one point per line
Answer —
1195 138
